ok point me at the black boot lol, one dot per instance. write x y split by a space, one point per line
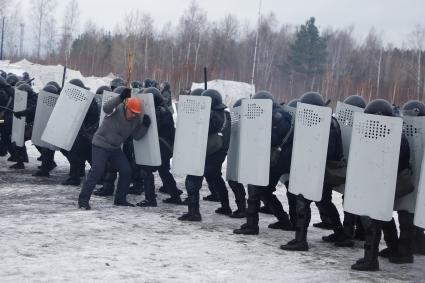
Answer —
104 191
18 166
136 189
348 229
371 248
252 218
192 214
323 225
407 234
241 211
147 203
72 182
224 210
174 200
123 203
83 204
213 198
303 220
419 242
389 230
41 173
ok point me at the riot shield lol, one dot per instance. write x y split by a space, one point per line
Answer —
18 125
344 113
254 142
233 153
311 137
107 95
190 144
414 130
46 101
67 116
372 166
146 150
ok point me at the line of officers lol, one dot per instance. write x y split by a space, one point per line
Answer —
94 145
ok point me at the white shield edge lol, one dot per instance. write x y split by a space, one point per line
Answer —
419 219
106 96
18 125
311 137
344 113
45 104
255 142
233 153
372 167
414 130
146 150
67 116
190 145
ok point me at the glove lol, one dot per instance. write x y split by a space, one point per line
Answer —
126 93
146 121
20 114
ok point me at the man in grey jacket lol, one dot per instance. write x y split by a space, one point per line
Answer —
122 120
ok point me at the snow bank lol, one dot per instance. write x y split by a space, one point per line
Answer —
43 74
230 90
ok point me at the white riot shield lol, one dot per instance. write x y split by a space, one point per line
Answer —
107 95
372 167
419 219
344 113
146 150
67 116
46 102
190 144
255 139
18 125
233 153
414 130
311 137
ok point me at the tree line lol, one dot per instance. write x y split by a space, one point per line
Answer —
289 60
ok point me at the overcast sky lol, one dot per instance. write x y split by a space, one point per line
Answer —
393 19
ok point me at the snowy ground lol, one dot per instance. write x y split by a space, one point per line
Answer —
43 237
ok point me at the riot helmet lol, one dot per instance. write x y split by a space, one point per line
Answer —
379 107
418 107
356 100
216 100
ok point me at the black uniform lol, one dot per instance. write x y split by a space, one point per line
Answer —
81 149
281 142
303 205
6 100
166 133
212 172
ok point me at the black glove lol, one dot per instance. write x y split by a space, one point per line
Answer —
20 114
126 93
146 121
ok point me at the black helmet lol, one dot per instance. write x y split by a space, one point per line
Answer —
12 79
165 86
147 83
137 84
216 100
356 100
197 92
119 89
313 98
55 84
79 83
101 89
51 89
293 103
157 96
379 107
263 94
238 102
154 83
26 87
414 105
25 76
117 82
3 74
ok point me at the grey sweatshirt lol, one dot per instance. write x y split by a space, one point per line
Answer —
115 128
